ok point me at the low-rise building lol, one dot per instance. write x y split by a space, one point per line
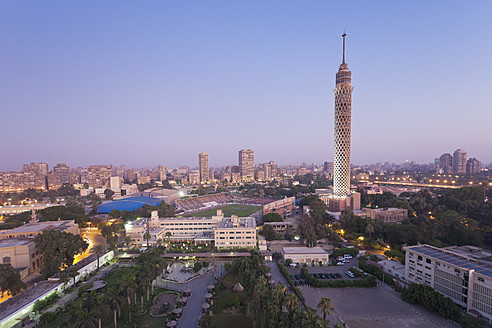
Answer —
280 227
22 254
236 232
224 232
386 215
457 275
31 229
305 254
284 207
395 269
16 209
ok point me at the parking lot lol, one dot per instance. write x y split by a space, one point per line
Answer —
340 271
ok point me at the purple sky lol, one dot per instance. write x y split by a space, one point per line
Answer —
157 82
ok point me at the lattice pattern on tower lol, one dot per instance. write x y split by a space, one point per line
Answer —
343 117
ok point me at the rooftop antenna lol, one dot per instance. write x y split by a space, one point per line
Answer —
343 35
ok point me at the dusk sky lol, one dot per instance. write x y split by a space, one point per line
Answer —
156 82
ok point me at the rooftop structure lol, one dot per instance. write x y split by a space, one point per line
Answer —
31 229
16 209
305 254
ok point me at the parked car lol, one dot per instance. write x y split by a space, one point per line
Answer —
347 256
350 274
340 263
339 276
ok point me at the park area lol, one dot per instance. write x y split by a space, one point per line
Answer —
235 209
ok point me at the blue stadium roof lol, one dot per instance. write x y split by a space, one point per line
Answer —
129 204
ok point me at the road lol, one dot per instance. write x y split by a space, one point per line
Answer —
94 238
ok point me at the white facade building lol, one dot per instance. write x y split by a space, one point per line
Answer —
457 275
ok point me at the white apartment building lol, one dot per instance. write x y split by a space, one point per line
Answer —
235 232
457 275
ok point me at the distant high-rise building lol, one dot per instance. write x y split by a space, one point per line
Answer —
162 172
270 170
473 166
328 167
203 167
194 177
247 164
99 175
63 172
446 163
459 161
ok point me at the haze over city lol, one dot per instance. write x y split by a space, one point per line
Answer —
158 82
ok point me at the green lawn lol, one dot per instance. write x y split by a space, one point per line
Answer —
239 210
223 299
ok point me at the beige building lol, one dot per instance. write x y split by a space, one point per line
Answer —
16 209
385 214
194 177
280 227
31 229
235 232
305 254
21 254
203 167
98 176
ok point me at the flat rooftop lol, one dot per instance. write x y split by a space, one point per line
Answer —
304 250
14 242
25 297
247 222
455 259
32 227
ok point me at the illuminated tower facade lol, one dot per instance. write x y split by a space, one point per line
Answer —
342 197
343 117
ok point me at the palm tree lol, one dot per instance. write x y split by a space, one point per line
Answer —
114 300
252 311
98 249
64 278
101 307
370 230
291 303
147 237
73 273
325 306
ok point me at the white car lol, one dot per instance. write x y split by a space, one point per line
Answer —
350 274
340 263
347 256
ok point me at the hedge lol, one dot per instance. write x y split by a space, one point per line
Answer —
286 274
342 251
377 272
356 271
367 281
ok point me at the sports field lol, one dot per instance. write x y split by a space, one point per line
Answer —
239 210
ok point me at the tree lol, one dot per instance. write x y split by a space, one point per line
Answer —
269 233
73 273
108 193
147 237
114 300
370 230
58 249
10 280
272 217
325 306
165 210
98 249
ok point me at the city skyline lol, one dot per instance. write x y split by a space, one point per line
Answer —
66 88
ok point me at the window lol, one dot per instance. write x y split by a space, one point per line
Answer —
6 259
428 261
419 258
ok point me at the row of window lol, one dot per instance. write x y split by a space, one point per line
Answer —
451 293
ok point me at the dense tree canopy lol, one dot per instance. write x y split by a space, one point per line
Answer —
10 280
58 249
272 217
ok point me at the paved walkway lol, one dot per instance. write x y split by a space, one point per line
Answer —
276 274
193 311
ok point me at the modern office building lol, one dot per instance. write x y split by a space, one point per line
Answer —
454 272
162 172
63 171
203 167
459 161
342 196
236 232
247 164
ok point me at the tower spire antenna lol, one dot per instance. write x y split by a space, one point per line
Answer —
343 35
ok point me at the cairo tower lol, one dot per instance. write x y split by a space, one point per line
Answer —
342 197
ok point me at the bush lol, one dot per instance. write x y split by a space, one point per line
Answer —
45 303
288 262
286 274
432 300
47 317
377 272
367 281
356 271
